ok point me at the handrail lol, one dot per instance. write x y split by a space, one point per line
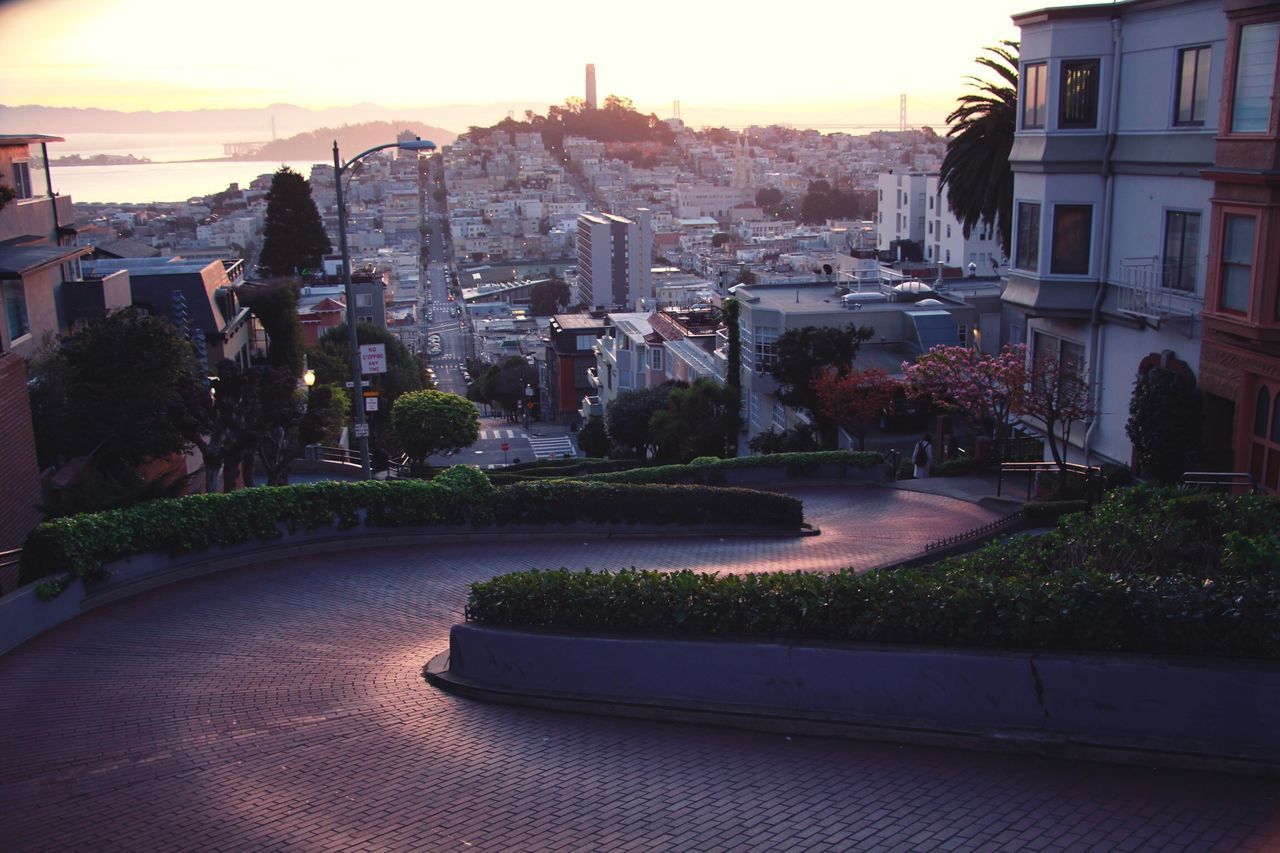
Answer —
10 560
1092 474
1231 479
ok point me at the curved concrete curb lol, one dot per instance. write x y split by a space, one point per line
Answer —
23 615
1201 714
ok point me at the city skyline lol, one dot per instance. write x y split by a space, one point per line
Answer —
749 67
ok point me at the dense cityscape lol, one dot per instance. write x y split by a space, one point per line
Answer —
596 480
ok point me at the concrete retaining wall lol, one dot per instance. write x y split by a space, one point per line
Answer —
1204 707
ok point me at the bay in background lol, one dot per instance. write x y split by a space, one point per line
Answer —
183 165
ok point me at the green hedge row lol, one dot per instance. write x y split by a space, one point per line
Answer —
710 470
1147 571
80 545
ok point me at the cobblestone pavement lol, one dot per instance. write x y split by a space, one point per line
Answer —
282 707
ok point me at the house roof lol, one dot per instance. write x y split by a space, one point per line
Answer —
327 304
126 248
20 260
27 138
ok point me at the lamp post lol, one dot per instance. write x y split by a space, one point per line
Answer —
361 427
528 404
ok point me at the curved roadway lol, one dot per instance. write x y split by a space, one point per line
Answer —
282 706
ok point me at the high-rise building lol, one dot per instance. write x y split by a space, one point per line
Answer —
614 259
591 86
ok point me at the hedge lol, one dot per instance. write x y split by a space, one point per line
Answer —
1147 572
80 545
710 470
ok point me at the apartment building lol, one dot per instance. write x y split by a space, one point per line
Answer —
1118 110
37 261
614 259
1240 354
945 241
901 204
629 356
570 356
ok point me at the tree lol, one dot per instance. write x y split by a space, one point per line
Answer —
276 307
114 390
293 237
984 390
428 422
855 400
1164 424
731 312
331 360
768 197
700 420
1058 396
592 438
975 169
720 238
627 418
509 383
802 355
548 297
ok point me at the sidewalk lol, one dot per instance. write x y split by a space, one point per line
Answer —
974 488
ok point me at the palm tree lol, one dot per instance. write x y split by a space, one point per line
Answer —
976 169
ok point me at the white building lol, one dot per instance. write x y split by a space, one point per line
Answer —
944 239
1118 112
901 205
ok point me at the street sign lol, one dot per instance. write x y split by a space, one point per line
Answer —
362 430
371 404
373 358
505 446
364 383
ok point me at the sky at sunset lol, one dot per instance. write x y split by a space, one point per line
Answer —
810 62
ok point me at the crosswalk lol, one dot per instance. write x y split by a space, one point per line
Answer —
544 447
551 446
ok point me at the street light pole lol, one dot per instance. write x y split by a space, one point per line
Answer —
357 394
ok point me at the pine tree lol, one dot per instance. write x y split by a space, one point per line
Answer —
293 238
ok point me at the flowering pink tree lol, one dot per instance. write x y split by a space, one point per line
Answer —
854 400
983 389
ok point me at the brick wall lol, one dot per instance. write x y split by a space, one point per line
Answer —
19 474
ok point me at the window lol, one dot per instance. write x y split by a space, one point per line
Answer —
1072 234
1034 85
765 348
655 358
1237 261
1264 449
15 308
962 334
1027 252
22 179
364 300
1192 86
1181 250
1078 99
585 342
1255 78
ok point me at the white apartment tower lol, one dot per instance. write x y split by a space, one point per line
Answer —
614 259
901 208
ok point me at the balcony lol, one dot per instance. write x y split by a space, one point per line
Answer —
1144 291
590 408
593 377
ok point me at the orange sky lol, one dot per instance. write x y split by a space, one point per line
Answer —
817 62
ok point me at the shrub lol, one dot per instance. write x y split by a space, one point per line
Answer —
710 470
81 545
1148 570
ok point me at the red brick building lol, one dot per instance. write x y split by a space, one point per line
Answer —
1240 356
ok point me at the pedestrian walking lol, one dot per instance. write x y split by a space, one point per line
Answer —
922 457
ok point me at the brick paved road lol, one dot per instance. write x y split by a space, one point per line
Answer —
282 707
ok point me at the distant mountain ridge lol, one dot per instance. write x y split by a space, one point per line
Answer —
231 125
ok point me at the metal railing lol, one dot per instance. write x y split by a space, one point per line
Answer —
976 533
322 453
1092 476
9 562
1147 289
1230 480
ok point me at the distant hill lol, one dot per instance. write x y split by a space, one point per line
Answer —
317 144
244 124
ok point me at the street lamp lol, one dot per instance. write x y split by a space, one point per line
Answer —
362 428
528 404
